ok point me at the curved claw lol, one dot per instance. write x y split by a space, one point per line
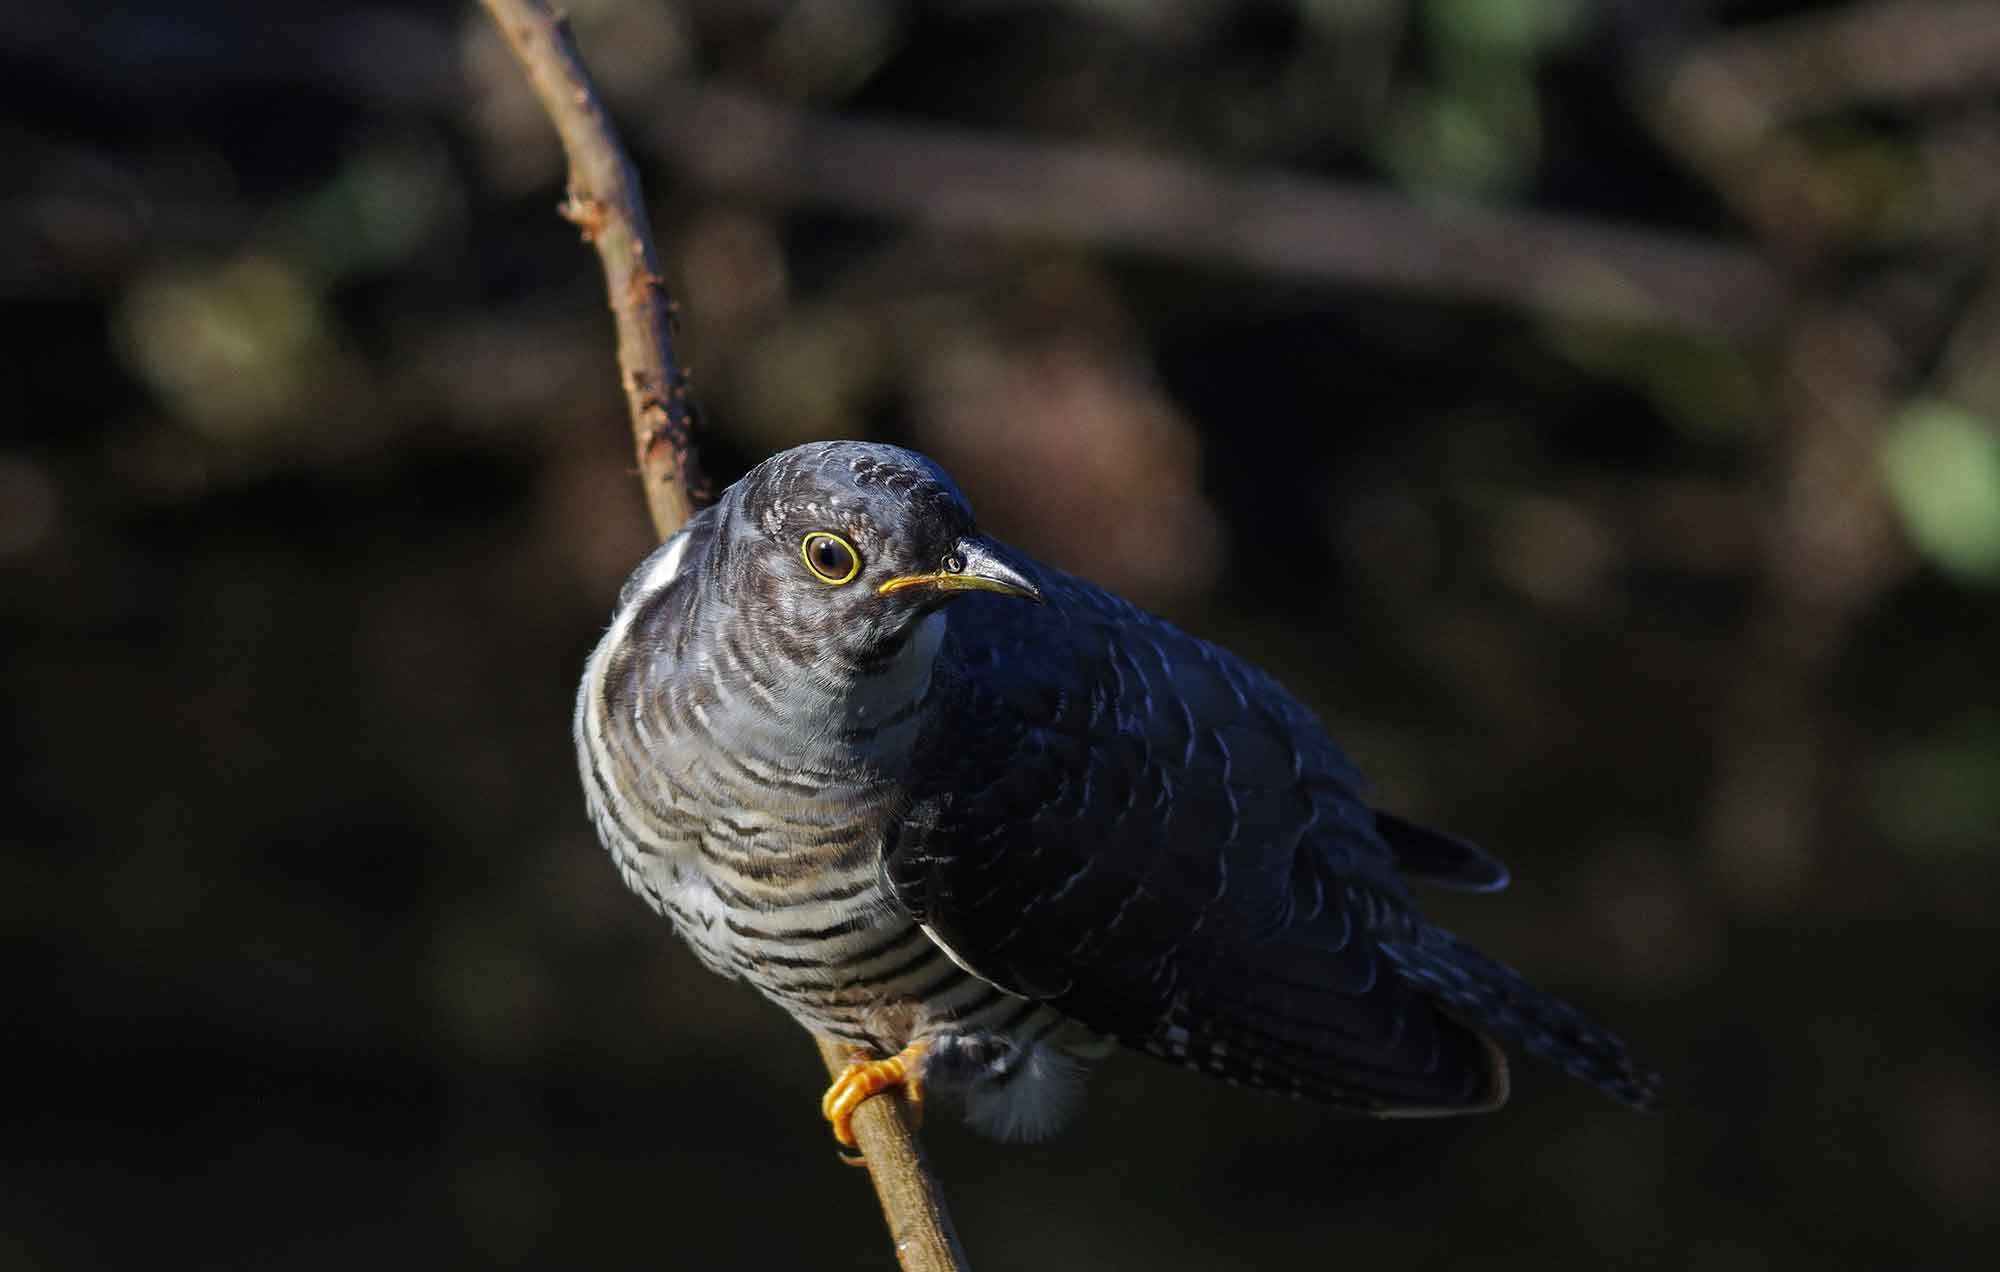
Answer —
864 1078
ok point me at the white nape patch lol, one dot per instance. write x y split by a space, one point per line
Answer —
665 566
660 570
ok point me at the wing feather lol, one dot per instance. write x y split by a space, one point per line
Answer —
1152 836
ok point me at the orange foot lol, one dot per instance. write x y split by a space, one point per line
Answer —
863 1078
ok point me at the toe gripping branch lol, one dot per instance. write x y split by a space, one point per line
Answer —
863 1078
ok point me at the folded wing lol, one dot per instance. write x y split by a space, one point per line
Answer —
1150 835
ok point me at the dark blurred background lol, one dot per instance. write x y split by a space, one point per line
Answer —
1588 405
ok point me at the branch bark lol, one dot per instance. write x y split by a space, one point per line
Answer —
912 1203
605 203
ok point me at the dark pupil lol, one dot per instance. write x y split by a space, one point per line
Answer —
830 555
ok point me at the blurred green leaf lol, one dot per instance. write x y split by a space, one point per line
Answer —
375 212
1441 143
234 349
1476 129
1940 797
1942 466
1525 26
1706 388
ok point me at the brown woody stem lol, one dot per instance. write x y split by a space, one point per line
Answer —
604 202
912 1203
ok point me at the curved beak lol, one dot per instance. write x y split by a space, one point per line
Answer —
982 565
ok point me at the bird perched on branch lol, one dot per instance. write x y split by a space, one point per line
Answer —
983 821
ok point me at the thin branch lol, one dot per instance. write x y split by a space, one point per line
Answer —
605 203
911 1202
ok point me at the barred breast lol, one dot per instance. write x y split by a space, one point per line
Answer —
760 837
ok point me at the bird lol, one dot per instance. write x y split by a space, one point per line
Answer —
983 823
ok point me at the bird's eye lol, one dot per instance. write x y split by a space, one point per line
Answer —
831 558
953 563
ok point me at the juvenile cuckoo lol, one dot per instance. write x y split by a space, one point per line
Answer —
985 820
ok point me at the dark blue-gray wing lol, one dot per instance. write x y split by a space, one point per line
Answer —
1152 836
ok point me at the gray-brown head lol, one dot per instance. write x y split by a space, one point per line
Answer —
834 552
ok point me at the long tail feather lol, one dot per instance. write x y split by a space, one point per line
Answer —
1493 997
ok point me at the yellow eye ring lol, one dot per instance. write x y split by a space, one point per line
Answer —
831 559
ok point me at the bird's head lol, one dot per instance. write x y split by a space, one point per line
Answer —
848 545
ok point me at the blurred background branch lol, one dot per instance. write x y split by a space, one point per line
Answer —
735 145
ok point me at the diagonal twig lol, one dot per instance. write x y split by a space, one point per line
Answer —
605 203
912 1203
